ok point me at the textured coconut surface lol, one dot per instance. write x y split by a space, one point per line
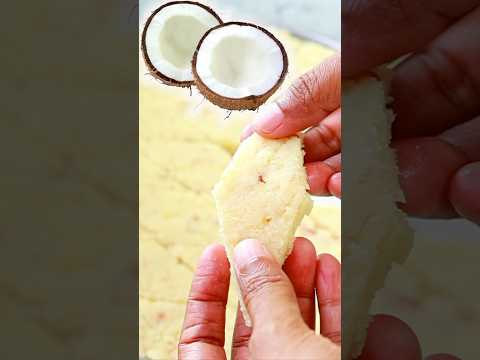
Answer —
428 290
185 145
376 233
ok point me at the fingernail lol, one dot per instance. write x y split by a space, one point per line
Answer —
247 250
268 119
334 184
249 130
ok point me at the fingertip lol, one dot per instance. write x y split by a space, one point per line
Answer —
302 258
318 176
426 169
300 266
390 338
303 249
335 185
465 192
268 121
212 267
328 260
214 253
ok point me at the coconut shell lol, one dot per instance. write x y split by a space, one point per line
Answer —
252 102
151 68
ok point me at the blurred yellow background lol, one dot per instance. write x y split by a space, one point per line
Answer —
185 144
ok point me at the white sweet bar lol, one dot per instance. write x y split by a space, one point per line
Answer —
375 233
263 195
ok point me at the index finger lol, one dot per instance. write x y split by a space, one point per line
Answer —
378 31
306 102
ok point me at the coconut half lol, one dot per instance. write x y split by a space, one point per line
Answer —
170 38
238 66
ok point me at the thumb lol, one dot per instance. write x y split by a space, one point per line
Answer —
266 290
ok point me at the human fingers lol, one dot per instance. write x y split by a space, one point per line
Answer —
241 338
324 176
464 192
439 87
442 357
335 185
466 138
266 290
427 166
378 31
278 329
203 332
300 269
324 140
328 284
390 338
306 103
270 300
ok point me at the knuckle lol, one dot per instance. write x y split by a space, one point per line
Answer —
240 341
302 91
202 331
317 89
257 275
328 137
335 336
329 302
451 77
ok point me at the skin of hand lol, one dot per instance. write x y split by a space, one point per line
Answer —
281 303
436 92
313 103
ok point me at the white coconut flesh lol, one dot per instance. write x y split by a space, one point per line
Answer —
237 61
172 38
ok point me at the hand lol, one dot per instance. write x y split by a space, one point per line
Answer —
280 303
436 94
282 307
312 102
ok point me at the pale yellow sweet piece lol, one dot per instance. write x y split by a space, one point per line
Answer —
190 255
263 195
176 209
183 162
179 216
162 278
170 115
375 232
160 324
322 227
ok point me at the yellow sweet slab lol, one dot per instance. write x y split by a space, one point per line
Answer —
185 144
